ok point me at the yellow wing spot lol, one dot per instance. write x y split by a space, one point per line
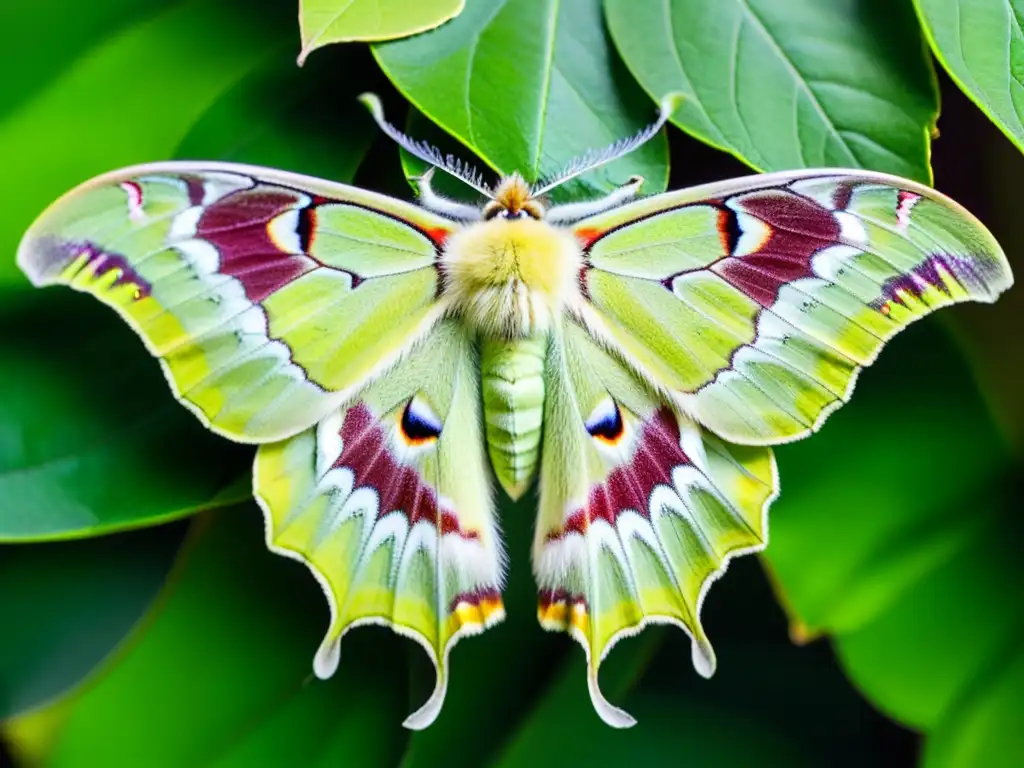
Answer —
487 611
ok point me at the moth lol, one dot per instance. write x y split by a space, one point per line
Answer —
635 356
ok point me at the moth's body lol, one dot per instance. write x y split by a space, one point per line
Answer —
510 276
390 359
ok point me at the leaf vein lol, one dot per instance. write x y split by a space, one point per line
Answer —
799 83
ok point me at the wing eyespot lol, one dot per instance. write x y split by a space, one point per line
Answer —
418 423
605 422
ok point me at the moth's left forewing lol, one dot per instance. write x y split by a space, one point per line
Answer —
267 296
754 303
640 508
389 503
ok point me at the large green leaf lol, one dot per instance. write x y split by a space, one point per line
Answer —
793 84
65 606
981 45
529 85
322 22
896 533
129 99
675 730
91 440
965 615
853 527
679 727
222 674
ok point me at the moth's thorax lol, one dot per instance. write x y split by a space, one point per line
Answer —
508 278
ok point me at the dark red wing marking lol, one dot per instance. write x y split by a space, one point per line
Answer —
924 275
398 486
549 597
237 226
630 485
800 228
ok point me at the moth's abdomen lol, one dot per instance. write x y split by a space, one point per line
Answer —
513 394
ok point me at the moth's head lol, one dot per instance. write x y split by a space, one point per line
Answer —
514 199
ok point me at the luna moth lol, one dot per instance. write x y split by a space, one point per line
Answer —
634 357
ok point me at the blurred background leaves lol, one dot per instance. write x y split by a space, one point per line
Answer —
84 598
894 542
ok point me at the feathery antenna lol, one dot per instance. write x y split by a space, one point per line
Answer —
430 154
597 157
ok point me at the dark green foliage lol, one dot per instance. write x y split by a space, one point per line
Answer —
896 535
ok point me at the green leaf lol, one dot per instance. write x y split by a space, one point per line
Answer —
963 615
66 606
91 440
897 533
793 84
529 85
322 22
223 675
129 99
981 45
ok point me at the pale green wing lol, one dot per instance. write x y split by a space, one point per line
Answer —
269 297
640 508
754 303
389 503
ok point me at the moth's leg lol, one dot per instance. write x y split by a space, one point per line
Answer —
429 199
562 214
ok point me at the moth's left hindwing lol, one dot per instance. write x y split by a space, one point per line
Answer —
269 297
640 508
389 503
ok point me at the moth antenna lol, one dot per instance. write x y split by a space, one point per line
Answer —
461 170
595 158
